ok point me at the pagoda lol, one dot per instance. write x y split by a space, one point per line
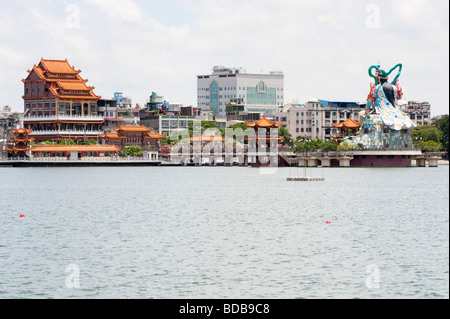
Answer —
347 128
20 143
58 104
54 87
265 142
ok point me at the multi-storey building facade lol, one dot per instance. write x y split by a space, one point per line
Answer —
260 92
315 118
58 104
418 112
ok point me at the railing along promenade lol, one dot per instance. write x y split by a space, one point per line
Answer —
80 118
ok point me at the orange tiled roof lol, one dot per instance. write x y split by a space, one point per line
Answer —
141 128
21 139
112 135
62 77
350 123
264 123
17 149
21 131
74 86
75 148
61 95
58 66
155 136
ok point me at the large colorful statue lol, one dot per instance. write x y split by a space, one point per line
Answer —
385 125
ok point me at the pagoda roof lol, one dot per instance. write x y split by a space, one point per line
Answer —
137 129
264 123
42 74
21 131
112 135
350 123
16 149
58 66
21 139
75 148
62 77
74 86
155 136
72 96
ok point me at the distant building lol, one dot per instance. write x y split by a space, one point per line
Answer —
315 118
121 100
169 123
155 102
190 111
418 112
260 92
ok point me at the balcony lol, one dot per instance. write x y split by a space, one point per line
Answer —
81 118
66 132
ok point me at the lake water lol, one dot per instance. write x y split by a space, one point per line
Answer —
224 232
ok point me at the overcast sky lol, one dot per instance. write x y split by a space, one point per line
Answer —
324 47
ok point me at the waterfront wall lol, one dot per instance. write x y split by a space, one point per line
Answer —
381 161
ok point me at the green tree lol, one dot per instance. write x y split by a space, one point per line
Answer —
426 133
287 137
239 125
132 151
344 146
329 146
303 144
442 125
430 146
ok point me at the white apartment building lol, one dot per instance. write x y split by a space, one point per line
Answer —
260 92
418 112
315 118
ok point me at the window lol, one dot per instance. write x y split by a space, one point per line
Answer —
214 97
261 87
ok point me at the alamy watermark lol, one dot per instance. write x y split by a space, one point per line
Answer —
373 280
373 19
237 147
73 16
73 278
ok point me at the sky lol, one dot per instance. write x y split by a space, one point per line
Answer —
323 47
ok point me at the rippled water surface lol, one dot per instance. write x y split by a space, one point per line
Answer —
219 232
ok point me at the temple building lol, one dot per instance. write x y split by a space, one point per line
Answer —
58 104
53 87
267 142
20 143
133 136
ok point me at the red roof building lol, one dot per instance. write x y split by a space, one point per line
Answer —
133 136
53 87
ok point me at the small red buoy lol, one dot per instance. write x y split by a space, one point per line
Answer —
22 215
328 222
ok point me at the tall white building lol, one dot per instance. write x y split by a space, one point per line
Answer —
260 92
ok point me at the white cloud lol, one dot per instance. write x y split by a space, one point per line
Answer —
323 47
